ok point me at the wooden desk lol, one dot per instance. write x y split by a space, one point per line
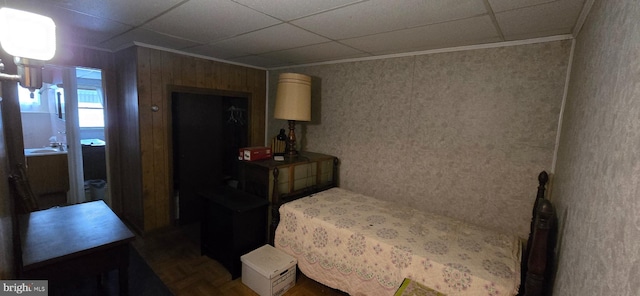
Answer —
77 240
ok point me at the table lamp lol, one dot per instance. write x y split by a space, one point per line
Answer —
293 103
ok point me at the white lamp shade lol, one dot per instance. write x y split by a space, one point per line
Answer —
27 35
293 99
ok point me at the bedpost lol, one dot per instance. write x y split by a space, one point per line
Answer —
275 207
537 260
543 178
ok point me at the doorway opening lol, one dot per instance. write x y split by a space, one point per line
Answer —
207 132
67 114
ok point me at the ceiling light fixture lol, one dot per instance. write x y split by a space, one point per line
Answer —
31 39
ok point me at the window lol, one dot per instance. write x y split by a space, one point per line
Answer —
90 107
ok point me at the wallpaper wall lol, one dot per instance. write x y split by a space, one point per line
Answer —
462 133
597 180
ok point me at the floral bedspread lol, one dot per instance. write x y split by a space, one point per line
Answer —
366 246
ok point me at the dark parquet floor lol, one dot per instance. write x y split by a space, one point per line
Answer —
173 253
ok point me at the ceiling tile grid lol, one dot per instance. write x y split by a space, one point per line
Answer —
207 21
558 16
129 12
275 33
274 38
316 53
287 10
469 31
381 16
147 37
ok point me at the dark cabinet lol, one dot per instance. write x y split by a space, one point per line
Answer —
94 162
233 224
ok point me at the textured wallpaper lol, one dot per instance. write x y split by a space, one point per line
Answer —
597 180
461 133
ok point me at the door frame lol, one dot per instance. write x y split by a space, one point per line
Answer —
171 89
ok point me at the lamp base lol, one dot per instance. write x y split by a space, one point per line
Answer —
291 141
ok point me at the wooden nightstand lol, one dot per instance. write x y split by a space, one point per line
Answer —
296 176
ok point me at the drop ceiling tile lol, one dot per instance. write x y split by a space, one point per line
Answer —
283 36
540 18
206 21
125 11
260 61
212 27
73 27
219 52
317 53
147 37
88 32
503 5
457 33
378 16
287 10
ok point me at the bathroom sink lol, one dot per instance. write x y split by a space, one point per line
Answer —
41 151
44 150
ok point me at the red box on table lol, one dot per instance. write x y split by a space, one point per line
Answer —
254 153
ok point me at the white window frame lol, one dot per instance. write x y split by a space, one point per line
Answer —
82 120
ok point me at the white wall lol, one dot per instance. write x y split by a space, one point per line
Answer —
597 180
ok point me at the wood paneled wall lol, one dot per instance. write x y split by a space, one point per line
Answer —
7 213
146 134
128 138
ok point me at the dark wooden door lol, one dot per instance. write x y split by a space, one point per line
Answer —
197 150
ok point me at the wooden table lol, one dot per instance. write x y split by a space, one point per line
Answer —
72 241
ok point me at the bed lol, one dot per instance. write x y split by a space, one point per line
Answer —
366 246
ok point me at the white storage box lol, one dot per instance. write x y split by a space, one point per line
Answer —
268 271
